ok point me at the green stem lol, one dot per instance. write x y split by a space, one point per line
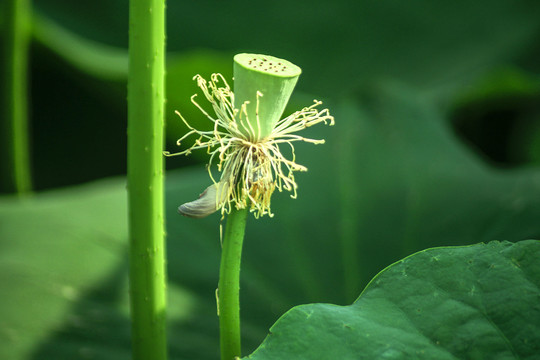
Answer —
15 162
145 178
229 284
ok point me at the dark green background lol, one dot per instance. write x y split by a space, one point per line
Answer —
447 50
436 142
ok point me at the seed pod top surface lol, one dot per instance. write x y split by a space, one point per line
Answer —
263 84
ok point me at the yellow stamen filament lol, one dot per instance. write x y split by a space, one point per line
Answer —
250 169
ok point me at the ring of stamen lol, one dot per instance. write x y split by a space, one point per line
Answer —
250 169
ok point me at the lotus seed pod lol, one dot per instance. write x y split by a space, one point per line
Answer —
263 85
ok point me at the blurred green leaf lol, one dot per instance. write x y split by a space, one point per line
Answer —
54 250
441 49
498 115
391 180
475 302
341 45
501 83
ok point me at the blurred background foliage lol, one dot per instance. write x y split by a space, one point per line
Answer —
437 142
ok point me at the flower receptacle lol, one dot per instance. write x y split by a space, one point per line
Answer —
263 85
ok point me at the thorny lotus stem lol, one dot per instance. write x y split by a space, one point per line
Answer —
229 285
145 178
15 162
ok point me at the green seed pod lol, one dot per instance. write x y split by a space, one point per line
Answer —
263 85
